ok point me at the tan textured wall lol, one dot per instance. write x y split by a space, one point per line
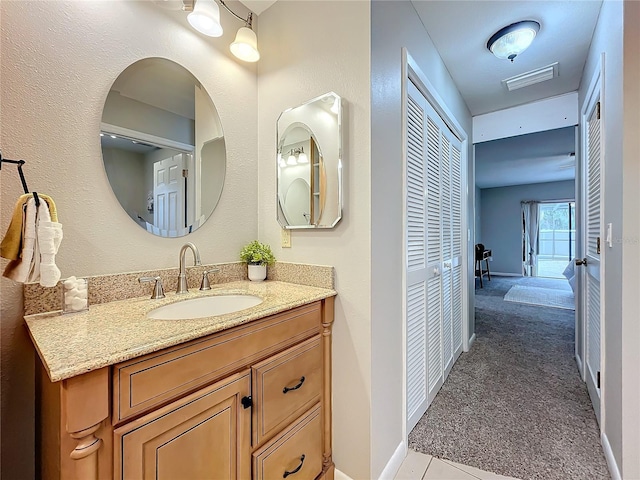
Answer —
58 61
310 48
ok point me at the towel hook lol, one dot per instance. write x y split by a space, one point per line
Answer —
20 163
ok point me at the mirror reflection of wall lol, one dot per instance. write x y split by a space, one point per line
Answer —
309 150
163 147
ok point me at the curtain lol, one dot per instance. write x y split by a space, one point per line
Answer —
530 220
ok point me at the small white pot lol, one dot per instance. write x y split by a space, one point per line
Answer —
257 273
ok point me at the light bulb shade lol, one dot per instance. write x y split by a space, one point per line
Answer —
302 158
205 18
291 160
245 46
512 40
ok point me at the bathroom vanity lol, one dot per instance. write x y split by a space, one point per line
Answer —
245 395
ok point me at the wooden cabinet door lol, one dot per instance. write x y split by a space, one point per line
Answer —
205 435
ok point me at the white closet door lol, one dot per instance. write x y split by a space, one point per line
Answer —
457 246
416 262
433 248
434 257
447 252
592 243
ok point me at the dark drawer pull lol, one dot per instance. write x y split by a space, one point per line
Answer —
286 474
287 389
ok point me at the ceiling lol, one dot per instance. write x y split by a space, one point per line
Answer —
460 30
257 6
534 158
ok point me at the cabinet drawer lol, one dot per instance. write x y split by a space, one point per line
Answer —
155 379
285 386
296 454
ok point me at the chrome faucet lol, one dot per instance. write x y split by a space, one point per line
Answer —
182 276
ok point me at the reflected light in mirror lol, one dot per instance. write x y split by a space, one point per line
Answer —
302 157
292 159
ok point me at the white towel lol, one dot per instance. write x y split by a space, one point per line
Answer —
42 239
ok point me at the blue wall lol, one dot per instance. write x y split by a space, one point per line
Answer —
500 219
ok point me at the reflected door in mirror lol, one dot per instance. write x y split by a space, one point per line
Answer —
157 110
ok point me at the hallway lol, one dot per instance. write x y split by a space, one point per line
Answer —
515 404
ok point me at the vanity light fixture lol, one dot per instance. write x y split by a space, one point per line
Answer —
281 162
512 40
291 160
205 18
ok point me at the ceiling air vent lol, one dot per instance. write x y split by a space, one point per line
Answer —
530 78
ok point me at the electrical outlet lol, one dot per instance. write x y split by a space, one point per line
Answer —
285 238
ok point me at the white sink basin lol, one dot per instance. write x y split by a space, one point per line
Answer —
204 307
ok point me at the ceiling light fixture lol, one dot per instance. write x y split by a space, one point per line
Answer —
512 40
205 18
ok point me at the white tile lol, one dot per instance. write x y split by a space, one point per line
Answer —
441 470
413 466
481 474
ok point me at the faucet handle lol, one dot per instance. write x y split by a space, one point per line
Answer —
205 278
158 291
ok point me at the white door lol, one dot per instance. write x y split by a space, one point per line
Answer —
592 248
169 194
433 246
416 258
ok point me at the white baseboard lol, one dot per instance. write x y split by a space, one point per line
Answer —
502 274
394 463
611 460
471 340
579 363
338 475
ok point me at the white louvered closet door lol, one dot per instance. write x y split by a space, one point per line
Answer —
457 247
433 253
451 175
592 278
416 258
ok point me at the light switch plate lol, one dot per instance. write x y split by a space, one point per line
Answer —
285 238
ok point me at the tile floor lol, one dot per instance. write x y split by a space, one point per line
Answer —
418 466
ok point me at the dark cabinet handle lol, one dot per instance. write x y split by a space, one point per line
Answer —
286 473
287 389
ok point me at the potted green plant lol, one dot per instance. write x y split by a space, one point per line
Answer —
257 256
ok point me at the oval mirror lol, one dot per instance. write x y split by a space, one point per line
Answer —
309 164
163 147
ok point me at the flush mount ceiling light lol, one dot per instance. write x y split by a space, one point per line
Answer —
205 18
512 40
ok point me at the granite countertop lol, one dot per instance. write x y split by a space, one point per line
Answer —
113 332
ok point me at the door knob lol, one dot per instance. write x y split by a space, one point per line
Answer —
581 262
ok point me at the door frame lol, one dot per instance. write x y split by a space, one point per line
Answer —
595 93
411 72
